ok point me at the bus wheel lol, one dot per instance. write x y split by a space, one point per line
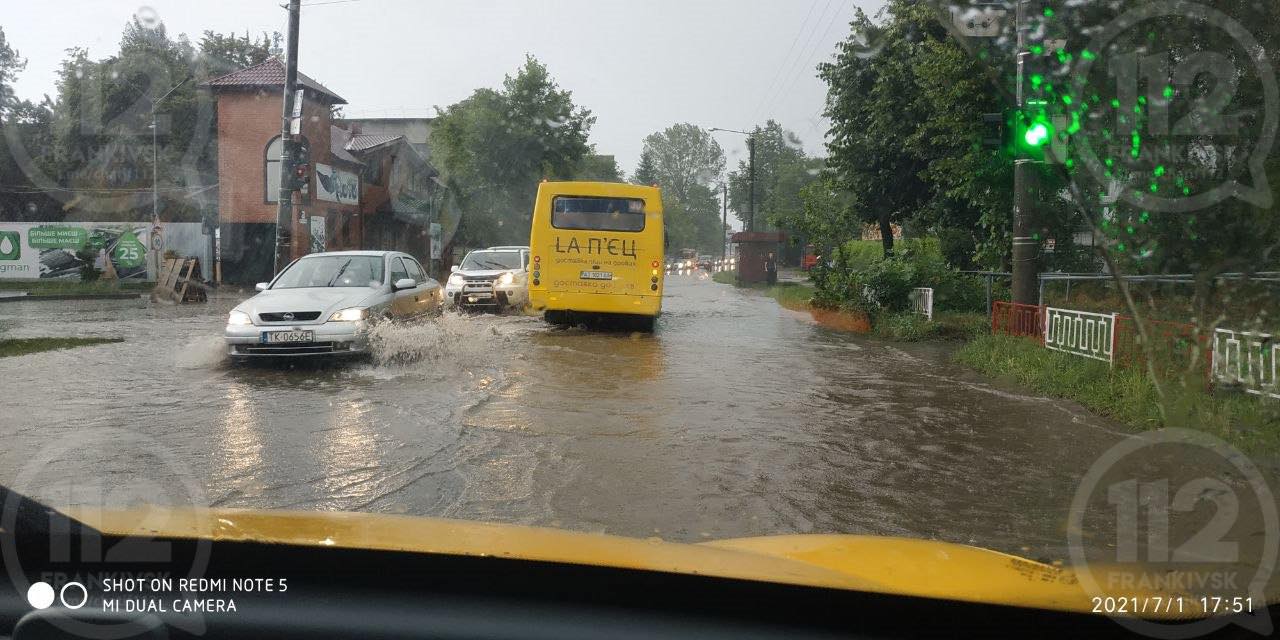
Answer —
558 318
645 324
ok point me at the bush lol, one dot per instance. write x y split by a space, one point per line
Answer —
858 281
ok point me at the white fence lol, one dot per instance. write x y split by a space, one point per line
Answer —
922 302
1246 359
1091 335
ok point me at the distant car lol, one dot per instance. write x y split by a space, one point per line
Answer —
323 304
496 278
706 261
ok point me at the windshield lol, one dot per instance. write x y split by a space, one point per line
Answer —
481 260
332 271
778 276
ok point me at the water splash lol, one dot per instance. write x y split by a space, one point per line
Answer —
450 341
204 352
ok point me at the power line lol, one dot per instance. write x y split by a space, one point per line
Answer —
791 69
817 46
777 73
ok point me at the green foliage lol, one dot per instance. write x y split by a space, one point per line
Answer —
782 170
907 131
685 161
495 146
957 247
91 145
598 168
863 279
1124 393
913 327
23 346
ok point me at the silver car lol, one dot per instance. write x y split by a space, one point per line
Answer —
323 304
495 278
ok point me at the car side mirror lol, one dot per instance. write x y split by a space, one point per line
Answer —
453 269
262 286
404 283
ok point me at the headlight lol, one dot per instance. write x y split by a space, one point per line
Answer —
239 319
506 279
457 279
349 315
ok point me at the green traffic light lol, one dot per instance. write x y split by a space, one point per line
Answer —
1037 134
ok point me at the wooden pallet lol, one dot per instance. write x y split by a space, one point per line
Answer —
179 281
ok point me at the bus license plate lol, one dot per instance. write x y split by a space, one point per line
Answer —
597 275
279 337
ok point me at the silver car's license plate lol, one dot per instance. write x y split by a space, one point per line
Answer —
597 275
278 337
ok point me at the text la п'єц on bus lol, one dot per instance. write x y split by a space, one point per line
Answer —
597 253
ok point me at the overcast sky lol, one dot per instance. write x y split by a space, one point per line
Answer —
639 65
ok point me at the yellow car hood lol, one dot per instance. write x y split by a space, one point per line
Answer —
877 564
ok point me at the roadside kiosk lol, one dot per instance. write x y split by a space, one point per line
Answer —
754 248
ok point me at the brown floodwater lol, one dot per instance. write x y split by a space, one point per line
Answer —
736 418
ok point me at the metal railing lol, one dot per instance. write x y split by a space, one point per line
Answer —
1013 319
1081 333
1246 359
922 302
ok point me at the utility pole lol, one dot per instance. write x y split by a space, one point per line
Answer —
724 220
284 210
751 201
155 175
751 179
1025 245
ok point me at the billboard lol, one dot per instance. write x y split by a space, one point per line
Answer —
30 250
334 185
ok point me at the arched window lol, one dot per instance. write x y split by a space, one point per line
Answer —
272 168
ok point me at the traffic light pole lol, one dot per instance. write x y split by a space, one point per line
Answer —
1025 269
284 209
724 220
751 201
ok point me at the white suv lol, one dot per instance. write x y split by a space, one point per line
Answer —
495 278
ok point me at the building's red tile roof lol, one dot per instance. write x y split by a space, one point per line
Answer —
366 141
340 143
270 74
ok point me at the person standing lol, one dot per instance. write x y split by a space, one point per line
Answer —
771 269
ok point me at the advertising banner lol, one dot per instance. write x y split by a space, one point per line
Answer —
334 185
30 250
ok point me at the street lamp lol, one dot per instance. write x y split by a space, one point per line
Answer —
155 163
751 180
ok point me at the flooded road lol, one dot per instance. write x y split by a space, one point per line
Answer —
737 418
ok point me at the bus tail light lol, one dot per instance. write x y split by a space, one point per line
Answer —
655 264
537 273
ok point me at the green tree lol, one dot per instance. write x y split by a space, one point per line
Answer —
871 101
780 160
598 168
497 144
681 157
685 161
100 157
24 125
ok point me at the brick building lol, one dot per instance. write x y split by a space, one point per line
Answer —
367 191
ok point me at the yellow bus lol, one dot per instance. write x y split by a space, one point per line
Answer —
596 253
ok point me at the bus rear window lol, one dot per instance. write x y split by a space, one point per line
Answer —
597 214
